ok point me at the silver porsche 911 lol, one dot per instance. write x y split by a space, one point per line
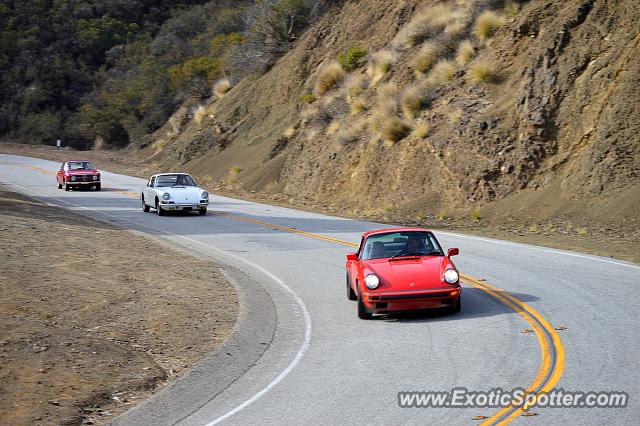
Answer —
174 192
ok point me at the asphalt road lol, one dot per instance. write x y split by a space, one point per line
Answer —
300 355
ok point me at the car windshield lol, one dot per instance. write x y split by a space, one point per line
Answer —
399 244
174 180
81 165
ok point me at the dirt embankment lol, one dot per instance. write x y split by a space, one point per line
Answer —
93 318
542 145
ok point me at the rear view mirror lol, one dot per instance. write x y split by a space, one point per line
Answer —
453 252
352 256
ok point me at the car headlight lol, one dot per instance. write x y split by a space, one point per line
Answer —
204 194
451 276
95 177
372 281
166 196
73 178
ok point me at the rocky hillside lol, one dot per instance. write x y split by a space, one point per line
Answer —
435 109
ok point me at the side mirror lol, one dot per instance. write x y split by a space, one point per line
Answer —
352 256
453 252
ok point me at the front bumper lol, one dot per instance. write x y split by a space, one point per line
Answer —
410 301
80 183
187 207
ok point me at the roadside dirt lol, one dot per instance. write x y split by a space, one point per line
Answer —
95 319
608 228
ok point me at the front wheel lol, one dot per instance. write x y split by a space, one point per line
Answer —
202 212
458 306
351 295
98 187
145 207
362 310
66 186
159 209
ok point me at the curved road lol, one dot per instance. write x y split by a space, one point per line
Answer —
300 355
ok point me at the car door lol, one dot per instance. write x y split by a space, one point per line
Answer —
60 174
352 268
148 192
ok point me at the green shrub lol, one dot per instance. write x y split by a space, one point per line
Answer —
309 98
352 58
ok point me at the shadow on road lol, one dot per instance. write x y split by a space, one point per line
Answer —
475 304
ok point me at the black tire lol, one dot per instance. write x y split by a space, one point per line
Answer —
145 207
351 295
159 210
362 310
59 185
202 212
66 186
98 187
458 306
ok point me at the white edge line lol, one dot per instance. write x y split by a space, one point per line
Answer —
307 317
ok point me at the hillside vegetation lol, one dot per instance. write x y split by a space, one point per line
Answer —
109 73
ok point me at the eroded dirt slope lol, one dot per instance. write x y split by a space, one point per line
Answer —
550 137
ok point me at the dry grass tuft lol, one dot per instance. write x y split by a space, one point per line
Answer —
199 114
328 78
349 135
421 130
333 128
455 115
414 99
289 132
511 8
427 22
442 72
222 86
393 129
483 71
465 53
426 57
357 106
380 63
487 24
354 85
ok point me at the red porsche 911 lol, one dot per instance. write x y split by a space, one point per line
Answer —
402 270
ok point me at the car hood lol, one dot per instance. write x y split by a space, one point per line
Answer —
82 172
182 193
409 274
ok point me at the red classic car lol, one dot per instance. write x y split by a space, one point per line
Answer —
400 270
78 174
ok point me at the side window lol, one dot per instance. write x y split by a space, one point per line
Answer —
152 181
62 166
